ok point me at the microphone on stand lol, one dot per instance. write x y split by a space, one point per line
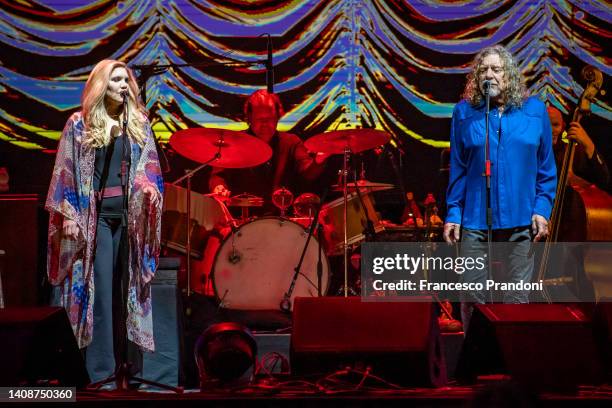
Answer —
269 67
125 94
486 87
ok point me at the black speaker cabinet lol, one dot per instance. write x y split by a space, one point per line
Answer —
19 241
400 341
37 346
602 322
544 346
163 365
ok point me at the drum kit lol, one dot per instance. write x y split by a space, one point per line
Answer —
247 262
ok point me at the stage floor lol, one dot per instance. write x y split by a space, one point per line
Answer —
294 394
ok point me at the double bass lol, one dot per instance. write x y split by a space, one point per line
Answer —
582 212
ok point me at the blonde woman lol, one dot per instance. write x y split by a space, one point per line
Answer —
95 164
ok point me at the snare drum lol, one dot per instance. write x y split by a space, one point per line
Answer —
254 265
331 218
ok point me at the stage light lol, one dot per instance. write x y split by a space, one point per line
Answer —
225 351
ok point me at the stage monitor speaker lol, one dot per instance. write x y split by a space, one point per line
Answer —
543 346
163 365
38 347
19 240
400 341
602 321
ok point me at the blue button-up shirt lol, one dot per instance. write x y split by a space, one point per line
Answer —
523 171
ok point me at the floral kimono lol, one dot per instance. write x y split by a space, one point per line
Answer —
70 262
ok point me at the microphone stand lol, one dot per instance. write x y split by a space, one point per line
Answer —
123 372
487 175
285 304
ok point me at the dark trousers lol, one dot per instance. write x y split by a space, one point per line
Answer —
515 257
108 345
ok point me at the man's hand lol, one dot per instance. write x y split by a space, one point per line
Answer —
539 227
151 194
452 232
577 133
70 229
221 190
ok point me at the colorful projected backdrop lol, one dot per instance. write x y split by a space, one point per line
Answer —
395 65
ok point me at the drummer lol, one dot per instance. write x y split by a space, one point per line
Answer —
290 164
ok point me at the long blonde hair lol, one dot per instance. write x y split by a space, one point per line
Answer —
514 94
94 112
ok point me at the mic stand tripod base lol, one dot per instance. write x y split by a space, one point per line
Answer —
345 291
123 379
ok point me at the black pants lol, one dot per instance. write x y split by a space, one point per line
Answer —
108 345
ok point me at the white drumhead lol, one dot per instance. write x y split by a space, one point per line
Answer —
254 266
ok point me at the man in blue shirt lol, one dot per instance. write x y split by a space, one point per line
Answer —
523 172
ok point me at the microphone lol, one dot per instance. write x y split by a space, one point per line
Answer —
269 67
124 95
486 86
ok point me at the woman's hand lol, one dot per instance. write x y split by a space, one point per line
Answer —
70 229
151 194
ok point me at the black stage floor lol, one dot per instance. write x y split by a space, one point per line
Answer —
486 394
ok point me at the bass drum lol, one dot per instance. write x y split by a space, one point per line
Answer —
254 265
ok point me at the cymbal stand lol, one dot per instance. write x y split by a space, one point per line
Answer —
369 232
188 175
285 304
347 151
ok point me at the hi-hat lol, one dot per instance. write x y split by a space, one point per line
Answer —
245 200
356 140
235 149
363 184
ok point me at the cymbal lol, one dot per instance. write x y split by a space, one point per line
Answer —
364 185
245 200
305 205
236 149
357 140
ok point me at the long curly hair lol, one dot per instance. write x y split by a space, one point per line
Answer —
515 92
97 121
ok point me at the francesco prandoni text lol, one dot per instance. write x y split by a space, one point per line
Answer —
425 285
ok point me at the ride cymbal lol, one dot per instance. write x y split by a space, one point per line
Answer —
234 149
356 140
